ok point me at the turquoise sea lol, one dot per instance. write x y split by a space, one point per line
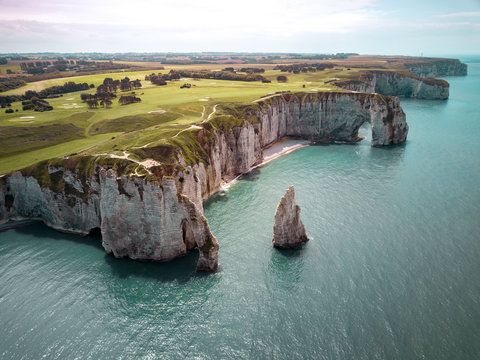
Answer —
392 270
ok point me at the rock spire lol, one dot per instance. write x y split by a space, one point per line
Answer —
288 230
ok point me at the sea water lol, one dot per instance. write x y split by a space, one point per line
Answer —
392 270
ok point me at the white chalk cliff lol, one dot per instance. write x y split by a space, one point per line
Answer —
288 229
438 67
162 218
395 83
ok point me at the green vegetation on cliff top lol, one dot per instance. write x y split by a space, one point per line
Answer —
163 122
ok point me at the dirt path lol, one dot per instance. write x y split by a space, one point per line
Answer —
191 127
213 112
147 163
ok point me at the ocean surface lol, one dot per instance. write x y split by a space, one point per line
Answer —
392 270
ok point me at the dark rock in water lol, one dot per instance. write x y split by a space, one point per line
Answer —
288 230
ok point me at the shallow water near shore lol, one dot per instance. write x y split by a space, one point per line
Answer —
391 272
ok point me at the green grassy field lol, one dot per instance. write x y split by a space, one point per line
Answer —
27 137
13 67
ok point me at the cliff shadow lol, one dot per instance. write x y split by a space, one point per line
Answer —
219 196
252 175
182 269
38 229
288 265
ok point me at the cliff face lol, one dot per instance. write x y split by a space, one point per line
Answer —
288 229
138 219
322 117
233 153
399 84
162 218
328 117
440 67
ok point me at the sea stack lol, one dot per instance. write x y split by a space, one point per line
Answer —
288 230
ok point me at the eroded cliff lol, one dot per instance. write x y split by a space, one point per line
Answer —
138 218
155 212
397 83
288 229
438 67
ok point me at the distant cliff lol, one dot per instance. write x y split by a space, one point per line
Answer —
438 68
156 212
397 83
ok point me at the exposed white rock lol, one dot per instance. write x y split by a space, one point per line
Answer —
163 219
334 116
399 84
288 229
139 219
438 67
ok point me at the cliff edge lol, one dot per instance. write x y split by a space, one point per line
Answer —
153 209
398 83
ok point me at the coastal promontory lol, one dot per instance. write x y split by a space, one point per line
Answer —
139 171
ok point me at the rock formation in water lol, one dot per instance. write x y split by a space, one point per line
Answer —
160 216
396 83
288 229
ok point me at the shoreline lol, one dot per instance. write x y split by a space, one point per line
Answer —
270 153
281 148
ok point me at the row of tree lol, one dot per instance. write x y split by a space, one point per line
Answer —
50 92
248 70
297 68
40 67
104 98
10 83
106 93
111 86
93 103
36 104
128 99
161 79
158 79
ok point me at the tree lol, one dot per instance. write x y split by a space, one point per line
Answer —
137 84
92 104
128 99
281 78
125 84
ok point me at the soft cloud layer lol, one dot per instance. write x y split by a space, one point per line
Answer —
460 14
365 26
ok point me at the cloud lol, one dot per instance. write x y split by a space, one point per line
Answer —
459 14
184 20
285 15
226 25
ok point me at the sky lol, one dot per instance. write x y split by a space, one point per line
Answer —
428 27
